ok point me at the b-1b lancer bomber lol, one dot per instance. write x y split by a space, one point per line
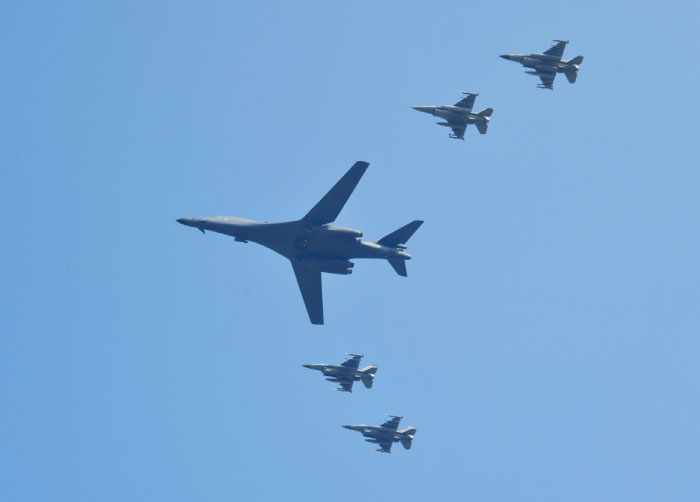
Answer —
386 435
312 245
459 115
346 373
548 64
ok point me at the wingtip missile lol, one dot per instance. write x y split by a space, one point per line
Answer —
469 93
559 41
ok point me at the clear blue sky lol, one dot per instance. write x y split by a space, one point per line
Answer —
545 343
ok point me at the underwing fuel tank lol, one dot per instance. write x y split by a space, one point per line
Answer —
328 265
538 74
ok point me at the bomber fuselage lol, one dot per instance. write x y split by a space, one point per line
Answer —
322 247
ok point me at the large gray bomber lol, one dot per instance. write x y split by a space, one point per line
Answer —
347 373
386 435
459 115
548 64
312 245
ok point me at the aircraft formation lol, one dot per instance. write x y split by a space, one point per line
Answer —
314 246
545 65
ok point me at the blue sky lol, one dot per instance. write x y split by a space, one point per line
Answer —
544 344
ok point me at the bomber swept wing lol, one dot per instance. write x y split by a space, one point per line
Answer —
329 207
311 288
325 211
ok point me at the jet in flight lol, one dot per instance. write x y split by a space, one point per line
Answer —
346 373
547 65
312 245
459 115
386 435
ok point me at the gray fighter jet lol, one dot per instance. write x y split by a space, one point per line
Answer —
460 115
386 435
312 245
346 373
548 64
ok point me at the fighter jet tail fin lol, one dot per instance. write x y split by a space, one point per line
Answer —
407 440
482 127
576 60
368 375
400 236
399 266
571 76
486 112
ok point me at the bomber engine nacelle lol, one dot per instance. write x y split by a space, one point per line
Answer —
331 266
324 231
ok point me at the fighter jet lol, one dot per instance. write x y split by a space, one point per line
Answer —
312 245
386 435
346 373
547 65
460 115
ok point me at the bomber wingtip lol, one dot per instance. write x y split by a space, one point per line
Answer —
361 163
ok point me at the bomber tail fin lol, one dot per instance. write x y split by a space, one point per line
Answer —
576 60
399 266
398 239
400 236
368 375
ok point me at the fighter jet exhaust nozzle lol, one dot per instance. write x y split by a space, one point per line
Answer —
328 265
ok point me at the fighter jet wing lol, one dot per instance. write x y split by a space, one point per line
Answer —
557 50
467 102
547 79
458 130
392 423
353 362
328 208
311 290
346 385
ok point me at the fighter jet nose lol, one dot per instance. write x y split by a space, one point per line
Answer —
181 220
504 56
307 366
349 427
